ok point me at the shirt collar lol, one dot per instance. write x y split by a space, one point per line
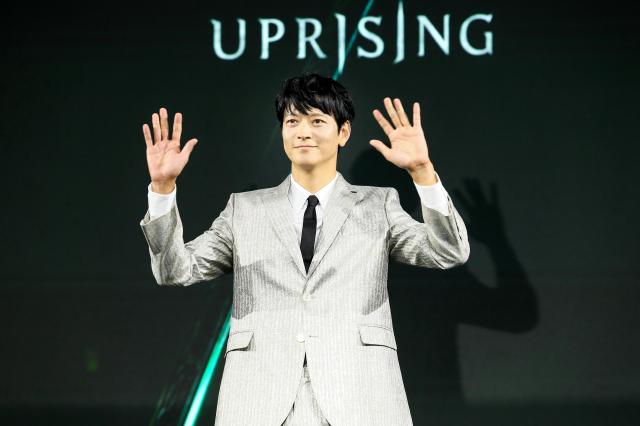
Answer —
298 195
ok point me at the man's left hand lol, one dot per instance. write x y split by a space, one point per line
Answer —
408 144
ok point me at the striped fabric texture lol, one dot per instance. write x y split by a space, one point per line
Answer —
338 313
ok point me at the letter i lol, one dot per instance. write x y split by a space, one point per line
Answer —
399 34
342 23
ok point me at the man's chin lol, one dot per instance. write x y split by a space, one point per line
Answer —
306 164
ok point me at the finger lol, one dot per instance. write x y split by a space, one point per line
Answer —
416 115
147 135
164 123
156 128
177 127
392 112
401 114
383 122
188 147
381 147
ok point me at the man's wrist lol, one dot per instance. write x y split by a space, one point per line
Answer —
164 187
424 175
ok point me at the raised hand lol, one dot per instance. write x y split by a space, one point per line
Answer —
165 159
408 144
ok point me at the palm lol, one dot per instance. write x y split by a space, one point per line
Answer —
408 143
165 159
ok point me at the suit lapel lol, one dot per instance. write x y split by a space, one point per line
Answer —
340 204
278 208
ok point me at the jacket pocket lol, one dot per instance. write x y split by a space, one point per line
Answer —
238 340
377 335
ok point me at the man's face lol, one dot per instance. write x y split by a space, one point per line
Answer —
312 139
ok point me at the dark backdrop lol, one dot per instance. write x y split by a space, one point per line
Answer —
536 143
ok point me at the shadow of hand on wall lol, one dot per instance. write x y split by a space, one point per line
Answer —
429 304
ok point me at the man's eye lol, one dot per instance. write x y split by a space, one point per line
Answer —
317 119
290 120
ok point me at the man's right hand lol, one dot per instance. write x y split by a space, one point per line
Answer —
165 159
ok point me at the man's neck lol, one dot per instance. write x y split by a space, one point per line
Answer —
313 180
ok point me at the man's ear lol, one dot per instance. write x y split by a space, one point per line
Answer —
345 132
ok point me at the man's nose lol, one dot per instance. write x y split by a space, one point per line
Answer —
304 130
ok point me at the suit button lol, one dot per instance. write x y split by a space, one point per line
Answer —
300 337
306 297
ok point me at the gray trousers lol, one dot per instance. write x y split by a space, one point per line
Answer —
305 410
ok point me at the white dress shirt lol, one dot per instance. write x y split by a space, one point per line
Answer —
298 199
432 196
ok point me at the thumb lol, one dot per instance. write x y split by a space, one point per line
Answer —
188 147
381 147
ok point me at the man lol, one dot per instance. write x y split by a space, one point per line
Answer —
311 339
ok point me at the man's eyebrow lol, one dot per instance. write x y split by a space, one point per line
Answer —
315 113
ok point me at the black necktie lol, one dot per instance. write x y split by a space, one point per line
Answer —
309 231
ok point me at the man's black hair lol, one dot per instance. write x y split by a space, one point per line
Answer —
312 90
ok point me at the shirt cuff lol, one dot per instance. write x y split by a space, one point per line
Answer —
434 196
160 204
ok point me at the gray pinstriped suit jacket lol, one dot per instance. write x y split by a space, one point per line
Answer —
338 312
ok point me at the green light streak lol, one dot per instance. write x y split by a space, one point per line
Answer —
338 73
205 380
